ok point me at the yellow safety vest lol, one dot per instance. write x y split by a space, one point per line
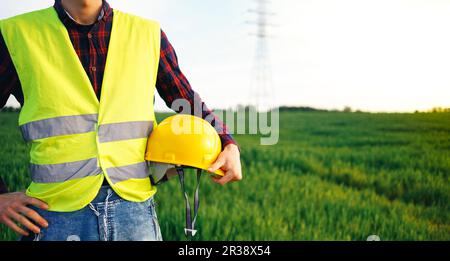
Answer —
77 140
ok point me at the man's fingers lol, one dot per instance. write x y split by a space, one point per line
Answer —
225 179
37 203
217 165
15 227
34 216
24 222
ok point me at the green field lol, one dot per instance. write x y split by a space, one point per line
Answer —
333 176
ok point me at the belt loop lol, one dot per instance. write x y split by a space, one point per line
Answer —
91 206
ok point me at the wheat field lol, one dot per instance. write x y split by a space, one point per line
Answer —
332 176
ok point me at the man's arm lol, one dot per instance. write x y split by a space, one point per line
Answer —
3 187
172 85
13 206
9 80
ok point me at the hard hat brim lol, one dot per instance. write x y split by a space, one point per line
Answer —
219 172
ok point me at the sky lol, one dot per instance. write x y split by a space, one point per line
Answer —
372 55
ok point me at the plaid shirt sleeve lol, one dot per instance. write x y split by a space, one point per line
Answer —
9 80
173 85
9 84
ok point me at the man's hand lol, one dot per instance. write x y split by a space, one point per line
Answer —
230 162
13 208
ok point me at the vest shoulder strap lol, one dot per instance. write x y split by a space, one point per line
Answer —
30 19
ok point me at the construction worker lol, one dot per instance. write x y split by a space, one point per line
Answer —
84 75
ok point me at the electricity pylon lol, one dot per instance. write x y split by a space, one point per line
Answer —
262 95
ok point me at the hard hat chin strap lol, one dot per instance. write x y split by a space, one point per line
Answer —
190 223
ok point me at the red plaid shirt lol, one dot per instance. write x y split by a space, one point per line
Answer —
91 45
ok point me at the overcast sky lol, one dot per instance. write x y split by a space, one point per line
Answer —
376 55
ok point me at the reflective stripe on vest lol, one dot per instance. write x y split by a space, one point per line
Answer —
80 169
134 171
69 125
65 171
59 126
124 131
76 139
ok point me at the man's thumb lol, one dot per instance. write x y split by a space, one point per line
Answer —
216 165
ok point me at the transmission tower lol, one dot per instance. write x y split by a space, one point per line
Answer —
261 86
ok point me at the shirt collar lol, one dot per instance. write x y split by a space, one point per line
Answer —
67 20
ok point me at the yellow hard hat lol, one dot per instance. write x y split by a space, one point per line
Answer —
184 140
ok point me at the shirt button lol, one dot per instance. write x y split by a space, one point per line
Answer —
89 35
93 68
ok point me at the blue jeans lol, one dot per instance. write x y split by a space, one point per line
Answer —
107 218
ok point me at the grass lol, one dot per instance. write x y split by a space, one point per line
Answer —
332 176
